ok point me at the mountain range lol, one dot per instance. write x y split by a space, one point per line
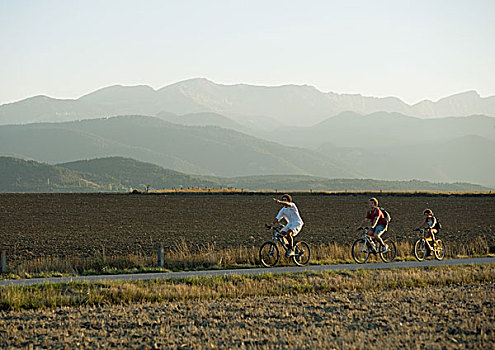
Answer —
253 106
205 129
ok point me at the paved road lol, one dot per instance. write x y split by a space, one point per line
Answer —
285 269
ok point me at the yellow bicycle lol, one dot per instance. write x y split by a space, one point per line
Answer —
425 245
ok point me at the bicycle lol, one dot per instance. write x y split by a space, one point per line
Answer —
270 253
424 246
363 247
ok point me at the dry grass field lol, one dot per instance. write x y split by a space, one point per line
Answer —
440 308
88 225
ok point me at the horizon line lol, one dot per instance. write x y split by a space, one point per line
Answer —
240 84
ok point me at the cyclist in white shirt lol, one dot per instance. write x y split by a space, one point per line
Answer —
290 213
430 224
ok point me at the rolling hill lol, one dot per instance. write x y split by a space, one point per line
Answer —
190 149
117 174
135 174
17 175
114 174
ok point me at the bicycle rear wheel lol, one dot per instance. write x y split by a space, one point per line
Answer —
391 252
360 251
302 253
439 250
420 249
269 254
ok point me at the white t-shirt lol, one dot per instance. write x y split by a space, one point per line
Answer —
291 214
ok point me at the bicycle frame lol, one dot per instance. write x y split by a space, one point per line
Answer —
424 232
270 252
279 237
371 241
369 245
425 246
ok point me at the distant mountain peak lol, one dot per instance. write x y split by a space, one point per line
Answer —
40 98
191 82
466 95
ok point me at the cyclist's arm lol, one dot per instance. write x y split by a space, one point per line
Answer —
378 217
423 224
375 222
278 217
433 222
365 220
284 203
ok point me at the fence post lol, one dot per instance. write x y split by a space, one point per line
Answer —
4 261
160 256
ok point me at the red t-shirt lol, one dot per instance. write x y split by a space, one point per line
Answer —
376 213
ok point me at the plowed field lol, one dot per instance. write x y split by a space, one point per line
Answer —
80 224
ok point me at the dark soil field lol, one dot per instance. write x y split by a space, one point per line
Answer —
444 317
81 225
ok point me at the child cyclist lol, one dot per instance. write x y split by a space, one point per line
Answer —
430 223
290 213
378 222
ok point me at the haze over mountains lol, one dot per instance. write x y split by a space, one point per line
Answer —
392 146
339 148
249 105
202 128
190 149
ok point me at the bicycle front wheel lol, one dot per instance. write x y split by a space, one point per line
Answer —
420 249
302 254
269 254
439 250
391 252
360 251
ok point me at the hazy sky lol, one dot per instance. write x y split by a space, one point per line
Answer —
410 49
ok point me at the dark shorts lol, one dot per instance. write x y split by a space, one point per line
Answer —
379 229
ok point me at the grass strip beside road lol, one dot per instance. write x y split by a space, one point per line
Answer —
75 294
185 258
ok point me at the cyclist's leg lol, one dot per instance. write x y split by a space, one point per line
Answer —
429 233
292 231
290 238
434 238
287 232
378 232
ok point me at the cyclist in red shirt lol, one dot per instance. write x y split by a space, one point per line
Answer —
378 222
